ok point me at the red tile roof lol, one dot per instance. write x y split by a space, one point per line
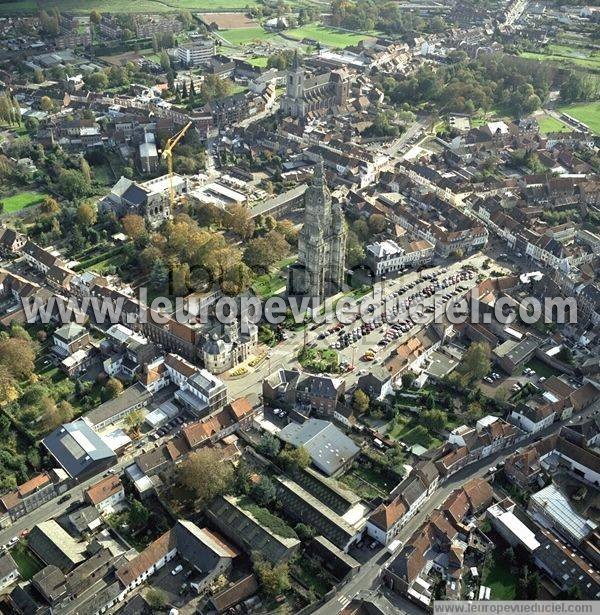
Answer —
104 489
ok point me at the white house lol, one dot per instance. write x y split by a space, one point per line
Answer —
533 418
107 495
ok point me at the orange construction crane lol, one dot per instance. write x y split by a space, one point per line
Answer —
167 154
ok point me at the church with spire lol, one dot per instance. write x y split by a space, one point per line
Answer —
319 271
314 94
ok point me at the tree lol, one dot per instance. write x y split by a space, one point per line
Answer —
258 254
134 226
565 355
305 532
264 491
95 16
86 215
49 206
65 411
434 420
156 598
134 419
294 458
97 82
113 388
274 578
475 363
180 279
8 385
360 401
18 357
138 515
73 184
84 167
165 62
159 276
355 251
46 104
204 476
269 445
408 379
240 221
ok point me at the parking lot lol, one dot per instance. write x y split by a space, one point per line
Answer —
390 318
175 586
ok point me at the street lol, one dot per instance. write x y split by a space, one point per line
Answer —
368 576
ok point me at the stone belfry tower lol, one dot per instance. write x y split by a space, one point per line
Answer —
319 271
292 101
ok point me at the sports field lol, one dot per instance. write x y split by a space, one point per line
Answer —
330 37
21 200
245 36
549 124
120 6
588 113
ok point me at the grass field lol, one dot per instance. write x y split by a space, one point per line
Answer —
118 6
549 124
331 37
21 200
578 56
27 563
244 36
411 433
260 61
589 113
498 577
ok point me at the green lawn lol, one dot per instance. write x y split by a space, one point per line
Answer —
564 54
26 562
550 124
260 61
589 113
498 577
331 37
541 368
409 432
367 482
267 285
118 6
245 36
21 200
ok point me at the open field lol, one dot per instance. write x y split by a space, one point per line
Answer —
244 36
21 200
331 37
118 6
229 21
549 124
579 56
589 113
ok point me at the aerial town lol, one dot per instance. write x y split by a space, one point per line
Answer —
299 305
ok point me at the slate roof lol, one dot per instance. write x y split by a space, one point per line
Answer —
77 447
328 447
